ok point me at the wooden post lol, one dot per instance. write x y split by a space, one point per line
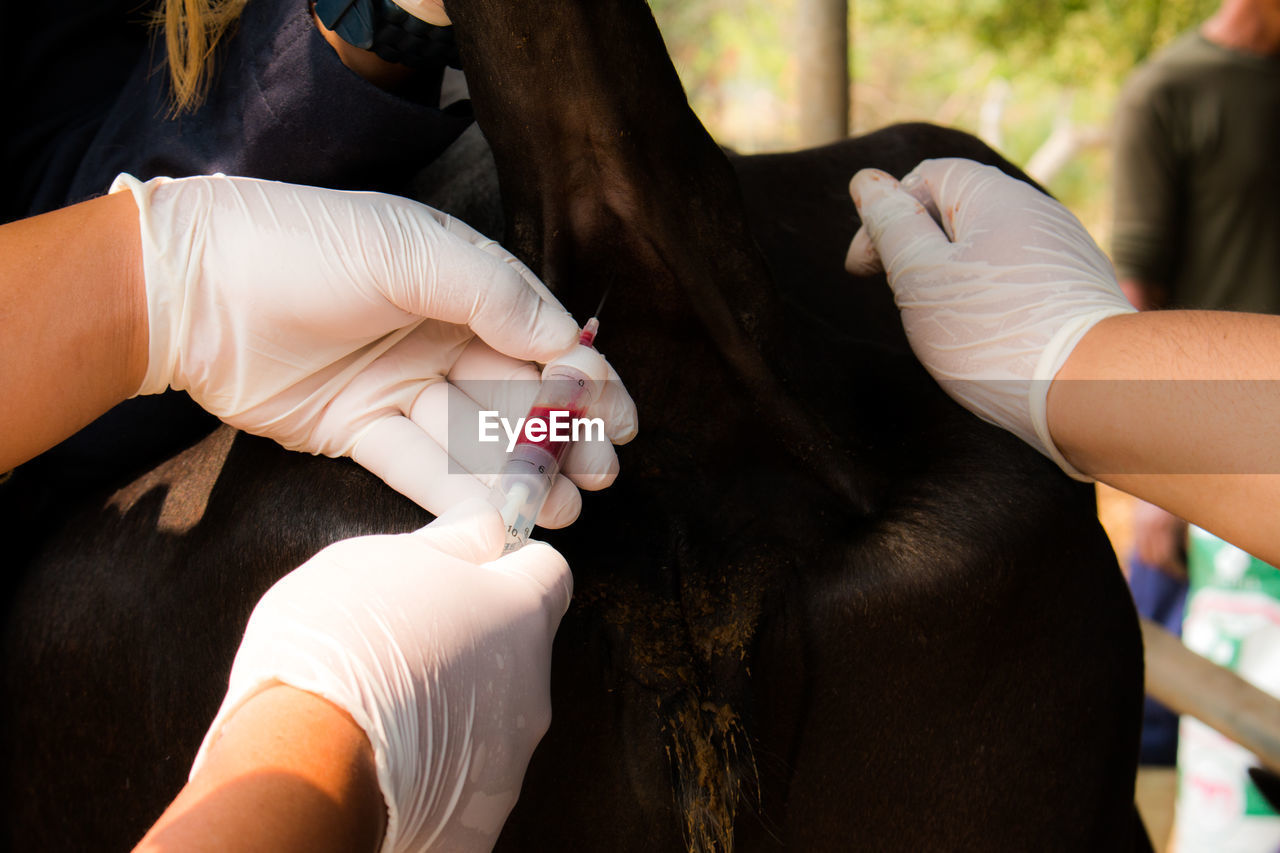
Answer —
822 66
1190 684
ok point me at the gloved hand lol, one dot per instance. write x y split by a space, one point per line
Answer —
993 300
437 648
297 313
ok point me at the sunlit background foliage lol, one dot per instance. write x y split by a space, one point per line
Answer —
1012 71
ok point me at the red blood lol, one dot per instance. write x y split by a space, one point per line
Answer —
543 414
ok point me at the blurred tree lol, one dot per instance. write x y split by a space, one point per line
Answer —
735 60
1072 41
822 70
1037 78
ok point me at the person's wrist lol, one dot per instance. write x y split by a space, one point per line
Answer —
289 770
161 269
1069 408
132 299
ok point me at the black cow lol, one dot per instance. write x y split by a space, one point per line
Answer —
823 608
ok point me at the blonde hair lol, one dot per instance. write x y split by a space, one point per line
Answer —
192 30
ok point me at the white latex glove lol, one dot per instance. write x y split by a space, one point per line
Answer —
437 648
297 313
993 300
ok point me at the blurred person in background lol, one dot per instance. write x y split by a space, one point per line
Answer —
1197 176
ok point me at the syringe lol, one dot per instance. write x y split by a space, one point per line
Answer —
566 392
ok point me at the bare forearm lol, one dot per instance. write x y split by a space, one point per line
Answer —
73 322
290 772
1177 407
1182 409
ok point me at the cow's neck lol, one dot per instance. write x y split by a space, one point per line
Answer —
610 183
605 171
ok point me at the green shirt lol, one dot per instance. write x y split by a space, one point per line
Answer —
1197 177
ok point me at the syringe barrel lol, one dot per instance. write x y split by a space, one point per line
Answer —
530 470
565 394
522 489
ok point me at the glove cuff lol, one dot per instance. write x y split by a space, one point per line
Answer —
164 302
1055 355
